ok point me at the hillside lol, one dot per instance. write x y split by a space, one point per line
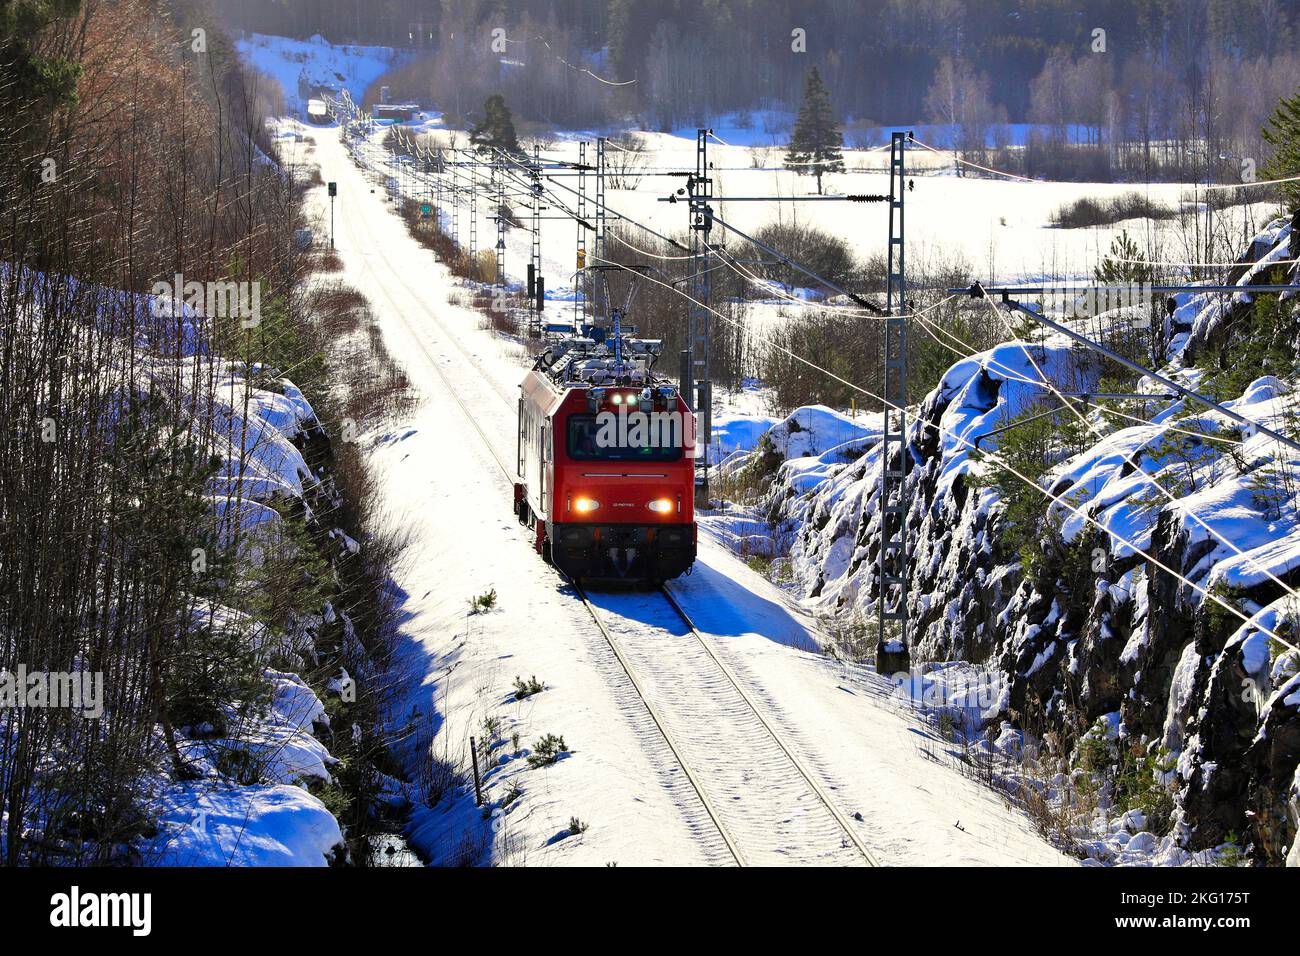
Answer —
1120 660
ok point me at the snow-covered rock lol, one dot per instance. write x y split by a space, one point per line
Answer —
210 824
1102 631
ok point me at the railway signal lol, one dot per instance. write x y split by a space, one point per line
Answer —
333 191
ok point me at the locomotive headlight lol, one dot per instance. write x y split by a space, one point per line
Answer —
616 398
660 506
585 505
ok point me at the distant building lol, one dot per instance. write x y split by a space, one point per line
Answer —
398 112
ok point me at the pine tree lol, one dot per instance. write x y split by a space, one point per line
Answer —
1124 264
1282 132
30 72
816 143
498 126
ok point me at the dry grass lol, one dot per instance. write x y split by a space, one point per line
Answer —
1088 211
436 774
373 385
328 261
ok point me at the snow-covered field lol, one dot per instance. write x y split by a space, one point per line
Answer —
1000 229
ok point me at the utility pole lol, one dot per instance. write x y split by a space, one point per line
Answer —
535 294
333 191
700 189
892 653
499 175
440 168
473 216
580 252
426 167
455 199
600 213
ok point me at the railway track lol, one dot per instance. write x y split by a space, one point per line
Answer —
727 750
767 804
799 766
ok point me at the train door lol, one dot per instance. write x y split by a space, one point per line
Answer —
519 443
543 458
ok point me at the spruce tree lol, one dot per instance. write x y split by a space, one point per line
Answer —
815 146
498 127
1282 132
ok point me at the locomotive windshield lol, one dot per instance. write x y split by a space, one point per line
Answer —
613 440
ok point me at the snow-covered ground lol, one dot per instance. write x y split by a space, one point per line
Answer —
257 432
209 821
443 482
998 228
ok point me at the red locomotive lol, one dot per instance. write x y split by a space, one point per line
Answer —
606 459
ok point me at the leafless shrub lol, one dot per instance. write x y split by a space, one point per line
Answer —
329 261
436 774
625 161
1089 211
471 848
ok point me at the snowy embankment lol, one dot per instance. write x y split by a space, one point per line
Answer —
213 820
447 474
1121 640
241 799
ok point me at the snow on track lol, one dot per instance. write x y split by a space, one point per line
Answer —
866 747
761 795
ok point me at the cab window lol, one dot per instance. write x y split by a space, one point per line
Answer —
585 444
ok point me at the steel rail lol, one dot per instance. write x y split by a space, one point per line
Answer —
795 762
660 723
714 816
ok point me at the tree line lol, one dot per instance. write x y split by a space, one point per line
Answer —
138 541
1114 89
